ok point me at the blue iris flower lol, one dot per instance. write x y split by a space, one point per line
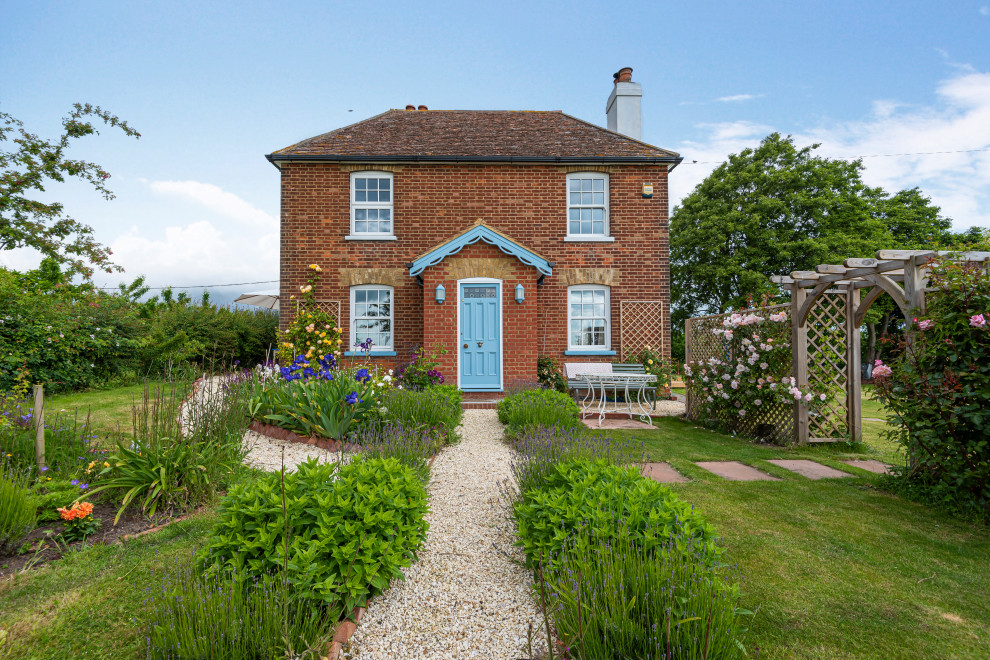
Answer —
308 372
362 376
352 399
326 375
286 372
300 359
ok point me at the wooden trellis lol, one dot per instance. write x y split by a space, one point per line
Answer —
826 312
641 323
773 421
331 307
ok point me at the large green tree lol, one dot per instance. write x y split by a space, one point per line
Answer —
768 211
28 167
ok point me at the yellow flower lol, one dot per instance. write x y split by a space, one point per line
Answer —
649 362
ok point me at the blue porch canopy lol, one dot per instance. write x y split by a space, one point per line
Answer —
480 232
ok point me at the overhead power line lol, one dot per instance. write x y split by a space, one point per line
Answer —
913 153
191 286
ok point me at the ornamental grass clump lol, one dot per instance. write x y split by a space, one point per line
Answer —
538 407
229 617
17 507
938 389
621 599
434 408
339 534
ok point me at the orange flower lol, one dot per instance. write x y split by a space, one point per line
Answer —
79 510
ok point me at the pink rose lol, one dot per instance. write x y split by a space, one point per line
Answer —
924 325
977 321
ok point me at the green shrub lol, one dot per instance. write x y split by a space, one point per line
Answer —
350 529
622 600
538 408
230 617
549 375
603 502
422 372
17 507
434 408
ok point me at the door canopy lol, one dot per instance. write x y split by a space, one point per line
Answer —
480 232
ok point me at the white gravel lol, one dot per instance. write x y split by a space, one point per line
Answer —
266 453
463 598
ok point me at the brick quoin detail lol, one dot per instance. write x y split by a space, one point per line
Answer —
434 202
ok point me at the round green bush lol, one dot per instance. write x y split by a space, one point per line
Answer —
604 502
350 529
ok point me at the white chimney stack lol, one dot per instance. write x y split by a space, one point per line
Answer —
624 112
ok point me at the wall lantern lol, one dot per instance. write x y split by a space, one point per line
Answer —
520 293
441 294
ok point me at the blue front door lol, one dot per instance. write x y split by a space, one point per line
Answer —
481 337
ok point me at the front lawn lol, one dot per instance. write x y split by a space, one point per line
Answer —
836 568
90 603
109 410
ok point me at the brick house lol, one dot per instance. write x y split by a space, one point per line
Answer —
500 235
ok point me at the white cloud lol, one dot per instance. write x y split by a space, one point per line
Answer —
958 122
985 10
197 253
735 98
217 200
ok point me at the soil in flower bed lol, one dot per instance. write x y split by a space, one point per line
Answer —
52 546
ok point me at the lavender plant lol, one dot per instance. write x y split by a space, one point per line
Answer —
621 599
232 616
410 445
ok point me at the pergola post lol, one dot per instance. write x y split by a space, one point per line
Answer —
799 359
854 404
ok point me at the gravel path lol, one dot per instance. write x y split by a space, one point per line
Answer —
463 598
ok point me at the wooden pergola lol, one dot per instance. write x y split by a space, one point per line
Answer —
828 301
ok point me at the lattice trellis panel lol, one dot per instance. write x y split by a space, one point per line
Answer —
641 323
775 422
331 307
827 367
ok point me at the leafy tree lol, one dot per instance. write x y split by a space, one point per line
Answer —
25 171
767 211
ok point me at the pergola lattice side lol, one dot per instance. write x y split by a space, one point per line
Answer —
641 323
331 307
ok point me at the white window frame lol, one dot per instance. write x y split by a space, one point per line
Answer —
608 318
606 236
355 205
353 317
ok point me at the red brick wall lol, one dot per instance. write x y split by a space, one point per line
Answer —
435 202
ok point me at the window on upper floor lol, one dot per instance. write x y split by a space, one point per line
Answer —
588 318
587 206
371 316
371 205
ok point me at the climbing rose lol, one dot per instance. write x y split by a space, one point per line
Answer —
977 321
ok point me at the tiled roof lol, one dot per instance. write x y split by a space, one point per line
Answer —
474 135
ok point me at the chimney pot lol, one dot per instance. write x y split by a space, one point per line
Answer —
623 75
410 107
423 107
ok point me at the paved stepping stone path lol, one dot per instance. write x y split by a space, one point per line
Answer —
810 469
871 466
663 473
735 471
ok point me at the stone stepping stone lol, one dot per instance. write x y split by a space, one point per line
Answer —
624 424
870 466
810 469
735 471
663 473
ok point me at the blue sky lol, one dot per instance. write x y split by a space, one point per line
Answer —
214 86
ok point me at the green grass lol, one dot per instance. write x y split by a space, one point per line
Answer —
108 410
836 568
89 604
